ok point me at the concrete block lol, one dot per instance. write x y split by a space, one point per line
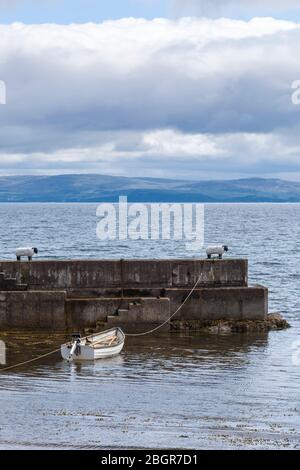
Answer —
232 303
32 309
105 274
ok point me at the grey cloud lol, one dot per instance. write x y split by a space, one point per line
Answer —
102 87
220 7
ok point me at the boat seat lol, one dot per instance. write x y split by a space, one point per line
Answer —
106 343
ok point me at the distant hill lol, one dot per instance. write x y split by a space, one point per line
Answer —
101 188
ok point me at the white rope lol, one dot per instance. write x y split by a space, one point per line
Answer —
30 360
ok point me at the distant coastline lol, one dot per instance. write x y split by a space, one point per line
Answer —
95 188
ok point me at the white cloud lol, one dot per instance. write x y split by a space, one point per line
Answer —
133 95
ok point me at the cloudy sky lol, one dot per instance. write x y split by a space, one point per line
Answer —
178 89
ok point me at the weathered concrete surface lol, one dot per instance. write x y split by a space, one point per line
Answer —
235 303
10 283
35 309
136 294
90 274
128 313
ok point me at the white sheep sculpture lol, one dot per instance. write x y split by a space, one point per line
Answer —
217 250
26 251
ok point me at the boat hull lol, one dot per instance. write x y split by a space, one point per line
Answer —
86 352
89 354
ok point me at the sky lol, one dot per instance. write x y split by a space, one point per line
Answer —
191 89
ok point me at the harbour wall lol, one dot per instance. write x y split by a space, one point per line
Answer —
134 294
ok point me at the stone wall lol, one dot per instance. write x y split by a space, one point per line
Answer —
33 309
135 294
90 274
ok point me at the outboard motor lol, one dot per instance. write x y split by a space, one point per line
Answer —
75 349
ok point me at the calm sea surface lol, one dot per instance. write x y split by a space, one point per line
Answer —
171 391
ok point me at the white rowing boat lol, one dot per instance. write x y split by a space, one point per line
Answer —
98 346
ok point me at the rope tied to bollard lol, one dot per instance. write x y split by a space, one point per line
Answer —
126 334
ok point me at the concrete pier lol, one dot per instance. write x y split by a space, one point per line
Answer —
134 294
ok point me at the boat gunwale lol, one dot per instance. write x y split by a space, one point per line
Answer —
119 333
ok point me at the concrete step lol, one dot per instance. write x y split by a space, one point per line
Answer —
111 312
123 314
123 318
131 314
133 326
112 320
123 311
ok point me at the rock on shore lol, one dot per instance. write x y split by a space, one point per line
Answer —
273 321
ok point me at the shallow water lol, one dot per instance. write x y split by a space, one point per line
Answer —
180 390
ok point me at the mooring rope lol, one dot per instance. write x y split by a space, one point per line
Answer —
126 334
170 318
30 360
